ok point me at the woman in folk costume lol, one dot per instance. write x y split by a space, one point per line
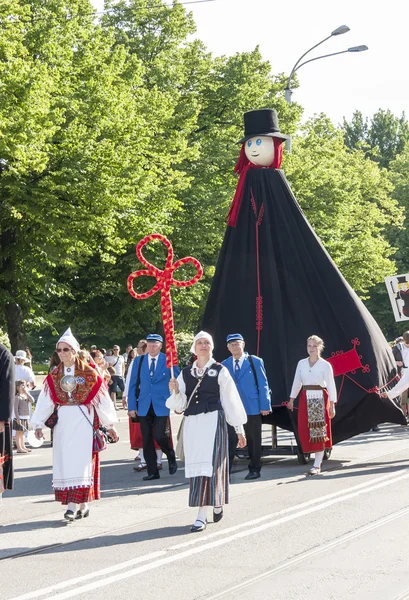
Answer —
317 402
76 467
6 410
208 396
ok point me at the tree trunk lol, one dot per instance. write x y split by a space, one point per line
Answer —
15 327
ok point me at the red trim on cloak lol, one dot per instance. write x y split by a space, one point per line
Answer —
242 166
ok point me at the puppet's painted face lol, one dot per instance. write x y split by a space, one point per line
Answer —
260 150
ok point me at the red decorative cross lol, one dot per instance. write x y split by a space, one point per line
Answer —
164 280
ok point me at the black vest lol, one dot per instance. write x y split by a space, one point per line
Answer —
207 397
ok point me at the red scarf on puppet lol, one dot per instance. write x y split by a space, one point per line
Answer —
242 167
89 383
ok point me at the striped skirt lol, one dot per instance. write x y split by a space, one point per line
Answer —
214 491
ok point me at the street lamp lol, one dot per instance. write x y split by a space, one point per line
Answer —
339 31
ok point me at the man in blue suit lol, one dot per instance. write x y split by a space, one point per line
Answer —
148 401
251 380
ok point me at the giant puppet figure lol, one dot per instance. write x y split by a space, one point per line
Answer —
277 285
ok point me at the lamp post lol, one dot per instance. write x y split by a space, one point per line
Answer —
339 31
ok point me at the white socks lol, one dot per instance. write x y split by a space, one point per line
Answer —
159 455
201 516
72 506
318 459
217 510
141 456
83 506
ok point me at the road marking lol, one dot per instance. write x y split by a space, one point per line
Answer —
160 562
315 552
289 509
76 580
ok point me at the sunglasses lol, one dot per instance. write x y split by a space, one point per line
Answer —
63 350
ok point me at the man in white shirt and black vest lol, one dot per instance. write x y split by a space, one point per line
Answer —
251 381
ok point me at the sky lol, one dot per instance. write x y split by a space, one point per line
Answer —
337 86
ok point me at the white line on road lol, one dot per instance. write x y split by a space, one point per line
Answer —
346 494
289 509
314 552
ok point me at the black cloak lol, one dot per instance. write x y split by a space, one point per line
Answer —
7 394
276 285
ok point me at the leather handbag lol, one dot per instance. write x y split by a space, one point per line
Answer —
52 420
98 439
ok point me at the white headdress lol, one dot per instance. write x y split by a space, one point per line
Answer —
199 336
69 339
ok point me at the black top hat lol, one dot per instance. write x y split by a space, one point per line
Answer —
261 122
402 279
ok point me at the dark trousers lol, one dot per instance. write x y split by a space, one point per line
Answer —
154 427
233 439
253 436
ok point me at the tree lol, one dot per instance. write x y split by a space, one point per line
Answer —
382 138
80 132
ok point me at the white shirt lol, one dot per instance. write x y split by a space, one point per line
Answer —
118 365
320 374
405 354
23 373
149 356
241 361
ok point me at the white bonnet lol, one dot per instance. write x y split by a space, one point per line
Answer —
199 336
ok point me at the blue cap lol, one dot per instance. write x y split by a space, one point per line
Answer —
154 337
233 337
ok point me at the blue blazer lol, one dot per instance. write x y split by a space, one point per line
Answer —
253 401
154 390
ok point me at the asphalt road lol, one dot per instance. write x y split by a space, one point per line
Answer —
285 536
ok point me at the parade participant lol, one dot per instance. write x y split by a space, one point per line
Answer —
142 347
147 400
250 378
76 469
317 402
7 391
23 402
21 371
401 353
207 395
135 434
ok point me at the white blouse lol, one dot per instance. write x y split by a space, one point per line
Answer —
229 397
320 374
401 386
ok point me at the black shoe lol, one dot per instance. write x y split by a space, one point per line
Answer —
69 515
82 514
217 516
150 477
376 428
173 466
252 475
201 527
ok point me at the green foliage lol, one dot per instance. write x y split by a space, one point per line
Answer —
382 138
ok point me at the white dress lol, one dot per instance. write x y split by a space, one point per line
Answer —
72 439
199 431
